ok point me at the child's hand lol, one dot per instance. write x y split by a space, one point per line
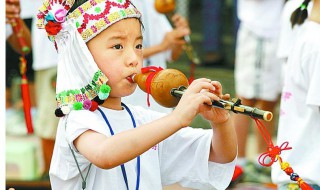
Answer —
12 10
174 38
180 22
198 98
213 114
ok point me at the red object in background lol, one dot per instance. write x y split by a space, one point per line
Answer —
25 94
192 69
238 171
26 103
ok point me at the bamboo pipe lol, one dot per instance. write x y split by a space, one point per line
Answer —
167 87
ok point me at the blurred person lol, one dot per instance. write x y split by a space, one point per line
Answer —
257 76
13 15
287 32
212 32
299 119
162 43
14 104
212 28
45 59
44 63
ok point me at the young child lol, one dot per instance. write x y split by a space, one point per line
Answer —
115 146
299 121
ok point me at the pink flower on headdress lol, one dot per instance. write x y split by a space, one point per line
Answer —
60 15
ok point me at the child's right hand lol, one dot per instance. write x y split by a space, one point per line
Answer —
196 98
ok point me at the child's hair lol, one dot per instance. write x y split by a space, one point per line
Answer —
300 14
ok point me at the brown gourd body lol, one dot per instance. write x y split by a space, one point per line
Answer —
165 6
161 85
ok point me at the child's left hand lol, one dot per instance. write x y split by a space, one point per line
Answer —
213 114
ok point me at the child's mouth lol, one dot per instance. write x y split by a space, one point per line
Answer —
129 78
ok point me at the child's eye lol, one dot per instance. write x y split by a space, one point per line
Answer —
139 46
118 46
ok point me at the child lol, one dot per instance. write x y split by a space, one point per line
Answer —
257 72
287 33
115 146
299 121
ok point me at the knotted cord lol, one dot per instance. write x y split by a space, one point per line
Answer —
273 154
153 71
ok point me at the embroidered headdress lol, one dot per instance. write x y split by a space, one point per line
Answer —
80 83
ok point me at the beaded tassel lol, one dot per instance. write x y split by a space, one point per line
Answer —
273 154
285 166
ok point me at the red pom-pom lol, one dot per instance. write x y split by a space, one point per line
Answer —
53 28
94 106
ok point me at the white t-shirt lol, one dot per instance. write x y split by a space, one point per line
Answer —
156 25
262 17
181 158
299 121
44 53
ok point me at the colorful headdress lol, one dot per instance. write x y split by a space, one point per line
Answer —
80 83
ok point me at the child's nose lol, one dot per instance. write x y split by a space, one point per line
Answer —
132 58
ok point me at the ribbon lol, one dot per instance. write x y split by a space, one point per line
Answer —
153 71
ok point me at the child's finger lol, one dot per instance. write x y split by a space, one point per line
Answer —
218 88
198 87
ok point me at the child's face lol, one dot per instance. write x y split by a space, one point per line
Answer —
118 53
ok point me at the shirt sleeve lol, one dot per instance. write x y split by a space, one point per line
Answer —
184 160
79 122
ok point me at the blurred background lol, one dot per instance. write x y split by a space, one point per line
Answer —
24 162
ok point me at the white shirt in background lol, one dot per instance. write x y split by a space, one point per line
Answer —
261 16
299 121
